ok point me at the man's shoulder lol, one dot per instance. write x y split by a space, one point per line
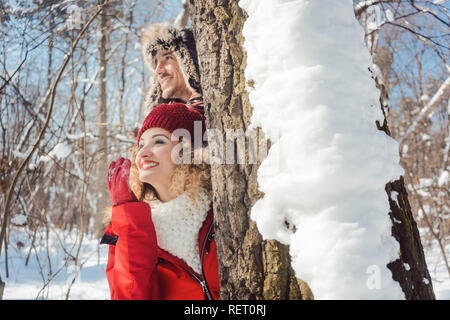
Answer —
197 104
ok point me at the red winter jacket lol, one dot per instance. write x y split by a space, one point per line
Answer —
138 269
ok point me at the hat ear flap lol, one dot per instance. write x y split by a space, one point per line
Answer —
152 100
154 95
188 39
192 67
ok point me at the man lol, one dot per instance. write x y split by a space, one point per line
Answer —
171 55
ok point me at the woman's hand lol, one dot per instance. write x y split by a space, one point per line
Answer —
117 181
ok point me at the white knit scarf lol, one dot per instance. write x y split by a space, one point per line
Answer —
177 224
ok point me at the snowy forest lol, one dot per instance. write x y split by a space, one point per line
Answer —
351 95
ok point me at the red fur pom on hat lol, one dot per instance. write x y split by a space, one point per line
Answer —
171 117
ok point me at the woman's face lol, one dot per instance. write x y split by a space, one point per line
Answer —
153 159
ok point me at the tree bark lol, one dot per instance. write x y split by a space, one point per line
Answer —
410 270
2 288
249 267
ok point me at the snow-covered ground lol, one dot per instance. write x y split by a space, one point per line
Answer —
29 282
32 281
436 267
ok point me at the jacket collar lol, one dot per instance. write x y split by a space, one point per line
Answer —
203 233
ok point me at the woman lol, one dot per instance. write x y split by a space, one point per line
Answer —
161 233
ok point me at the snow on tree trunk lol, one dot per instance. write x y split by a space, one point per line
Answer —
249 267
325 175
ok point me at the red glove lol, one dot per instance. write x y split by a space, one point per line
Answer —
117 181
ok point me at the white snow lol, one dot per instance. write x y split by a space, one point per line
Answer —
326 170
394 196
440 277
19 219
21 155
396 220
405 149
27 282
425 182
443 178
60 151
425 98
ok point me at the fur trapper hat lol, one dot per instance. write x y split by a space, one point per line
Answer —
159 37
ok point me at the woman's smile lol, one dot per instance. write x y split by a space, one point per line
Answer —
147 164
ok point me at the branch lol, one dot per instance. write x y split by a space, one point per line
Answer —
428 10
417 34
20 65
447 144
366 4
363 5
441 91
183 17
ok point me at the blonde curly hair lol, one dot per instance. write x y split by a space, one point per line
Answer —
192 178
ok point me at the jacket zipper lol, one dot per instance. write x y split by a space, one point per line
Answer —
202 282
205 284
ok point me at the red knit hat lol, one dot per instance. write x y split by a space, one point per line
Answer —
171 117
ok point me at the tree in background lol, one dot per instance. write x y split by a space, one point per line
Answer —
409 43
58 187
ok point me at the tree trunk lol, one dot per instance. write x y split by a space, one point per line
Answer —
2 288
249 267
415 282
102 142
410 270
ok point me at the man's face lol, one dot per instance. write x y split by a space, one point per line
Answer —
170 77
